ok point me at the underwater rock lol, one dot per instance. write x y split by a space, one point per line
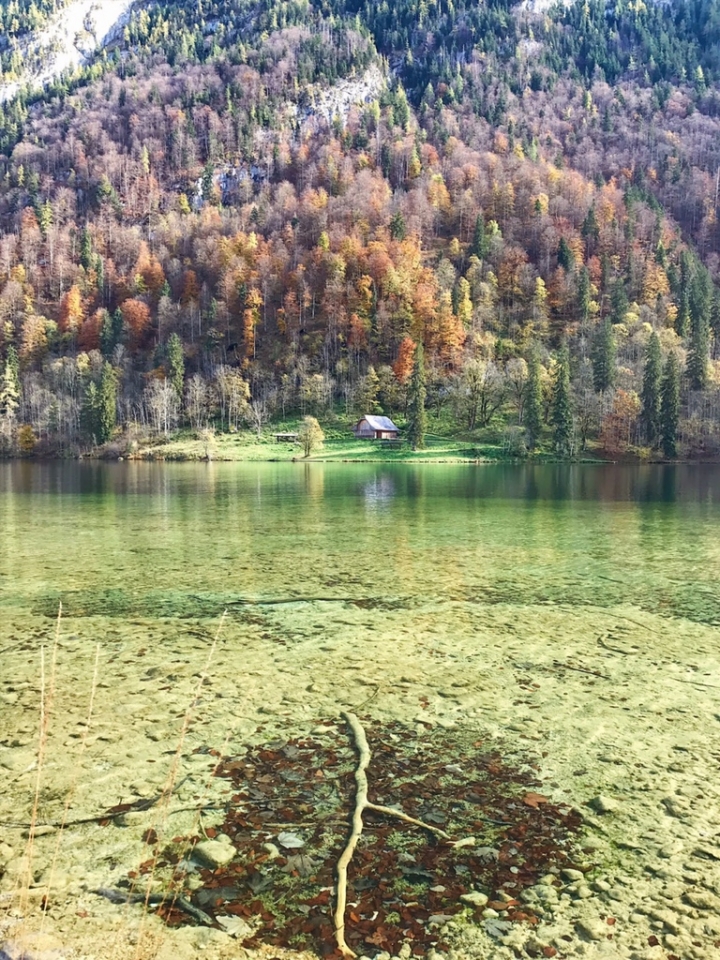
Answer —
214 853
32 946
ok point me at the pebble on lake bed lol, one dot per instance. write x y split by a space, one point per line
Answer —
603 804
214 853
474 898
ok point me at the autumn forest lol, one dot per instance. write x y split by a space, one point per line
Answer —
244 212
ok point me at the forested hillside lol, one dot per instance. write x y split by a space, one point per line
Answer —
248 211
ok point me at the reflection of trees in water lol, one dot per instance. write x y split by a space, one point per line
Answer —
314 480
667 483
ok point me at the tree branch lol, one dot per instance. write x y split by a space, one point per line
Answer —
362 803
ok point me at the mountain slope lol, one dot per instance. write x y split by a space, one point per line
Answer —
64 41
299 194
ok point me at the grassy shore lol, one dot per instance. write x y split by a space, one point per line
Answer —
244 446
339 446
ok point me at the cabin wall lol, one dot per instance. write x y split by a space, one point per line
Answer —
365 431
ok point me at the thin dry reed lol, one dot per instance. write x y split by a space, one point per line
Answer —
73 786
47 697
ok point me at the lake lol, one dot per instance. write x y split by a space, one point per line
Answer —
565 618
189 540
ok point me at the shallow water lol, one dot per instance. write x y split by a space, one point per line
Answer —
292 548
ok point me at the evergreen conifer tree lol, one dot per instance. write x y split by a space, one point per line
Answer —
398 230
13 363
478 247
175 363
86 249
682 321
106 409
650 411
715 322
88 413
566 260
10 385
700 311
416 404
618 303
670 405
603 358
561 407
532 414
697 358
99 273
99 409
583 294
107 340
590 228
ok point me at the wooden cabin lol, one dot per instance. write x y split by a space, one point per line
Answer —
371 427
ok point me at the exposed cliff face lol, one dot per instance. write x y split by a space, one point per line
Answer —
69 40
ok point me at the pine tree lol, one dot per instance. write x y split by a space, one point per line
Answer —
45 218
697 358
99 274
416 405
682 321
208 181
700 311
175 364
13 363
561 408
650 411
478 248
603 358
398 230
88 413
618 303
106 412
715 322
590 230
583 294
10 385
532 414
86 249
99 409
110 332
566 260
670 405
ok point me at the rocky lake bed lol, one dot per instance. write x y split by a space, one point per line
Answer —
620 724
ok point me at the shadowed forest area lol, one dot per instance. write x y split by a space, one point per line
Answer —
247 212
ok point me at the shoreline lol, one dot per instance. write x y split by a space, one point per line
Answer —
247 446
151 456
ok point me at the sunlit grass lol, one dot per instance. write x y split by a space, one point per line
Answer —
338 446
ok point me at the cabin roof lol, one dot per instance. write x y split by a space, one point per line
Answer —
378 423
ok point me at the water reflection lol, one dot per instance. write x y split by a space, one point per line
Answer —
186 539
378 491
611 482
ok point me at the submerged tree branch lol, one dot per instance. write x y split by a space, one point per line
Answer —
362 803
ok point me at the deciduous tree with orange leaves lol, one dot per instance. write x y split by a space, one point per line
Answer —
136 315
403 366
72 312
